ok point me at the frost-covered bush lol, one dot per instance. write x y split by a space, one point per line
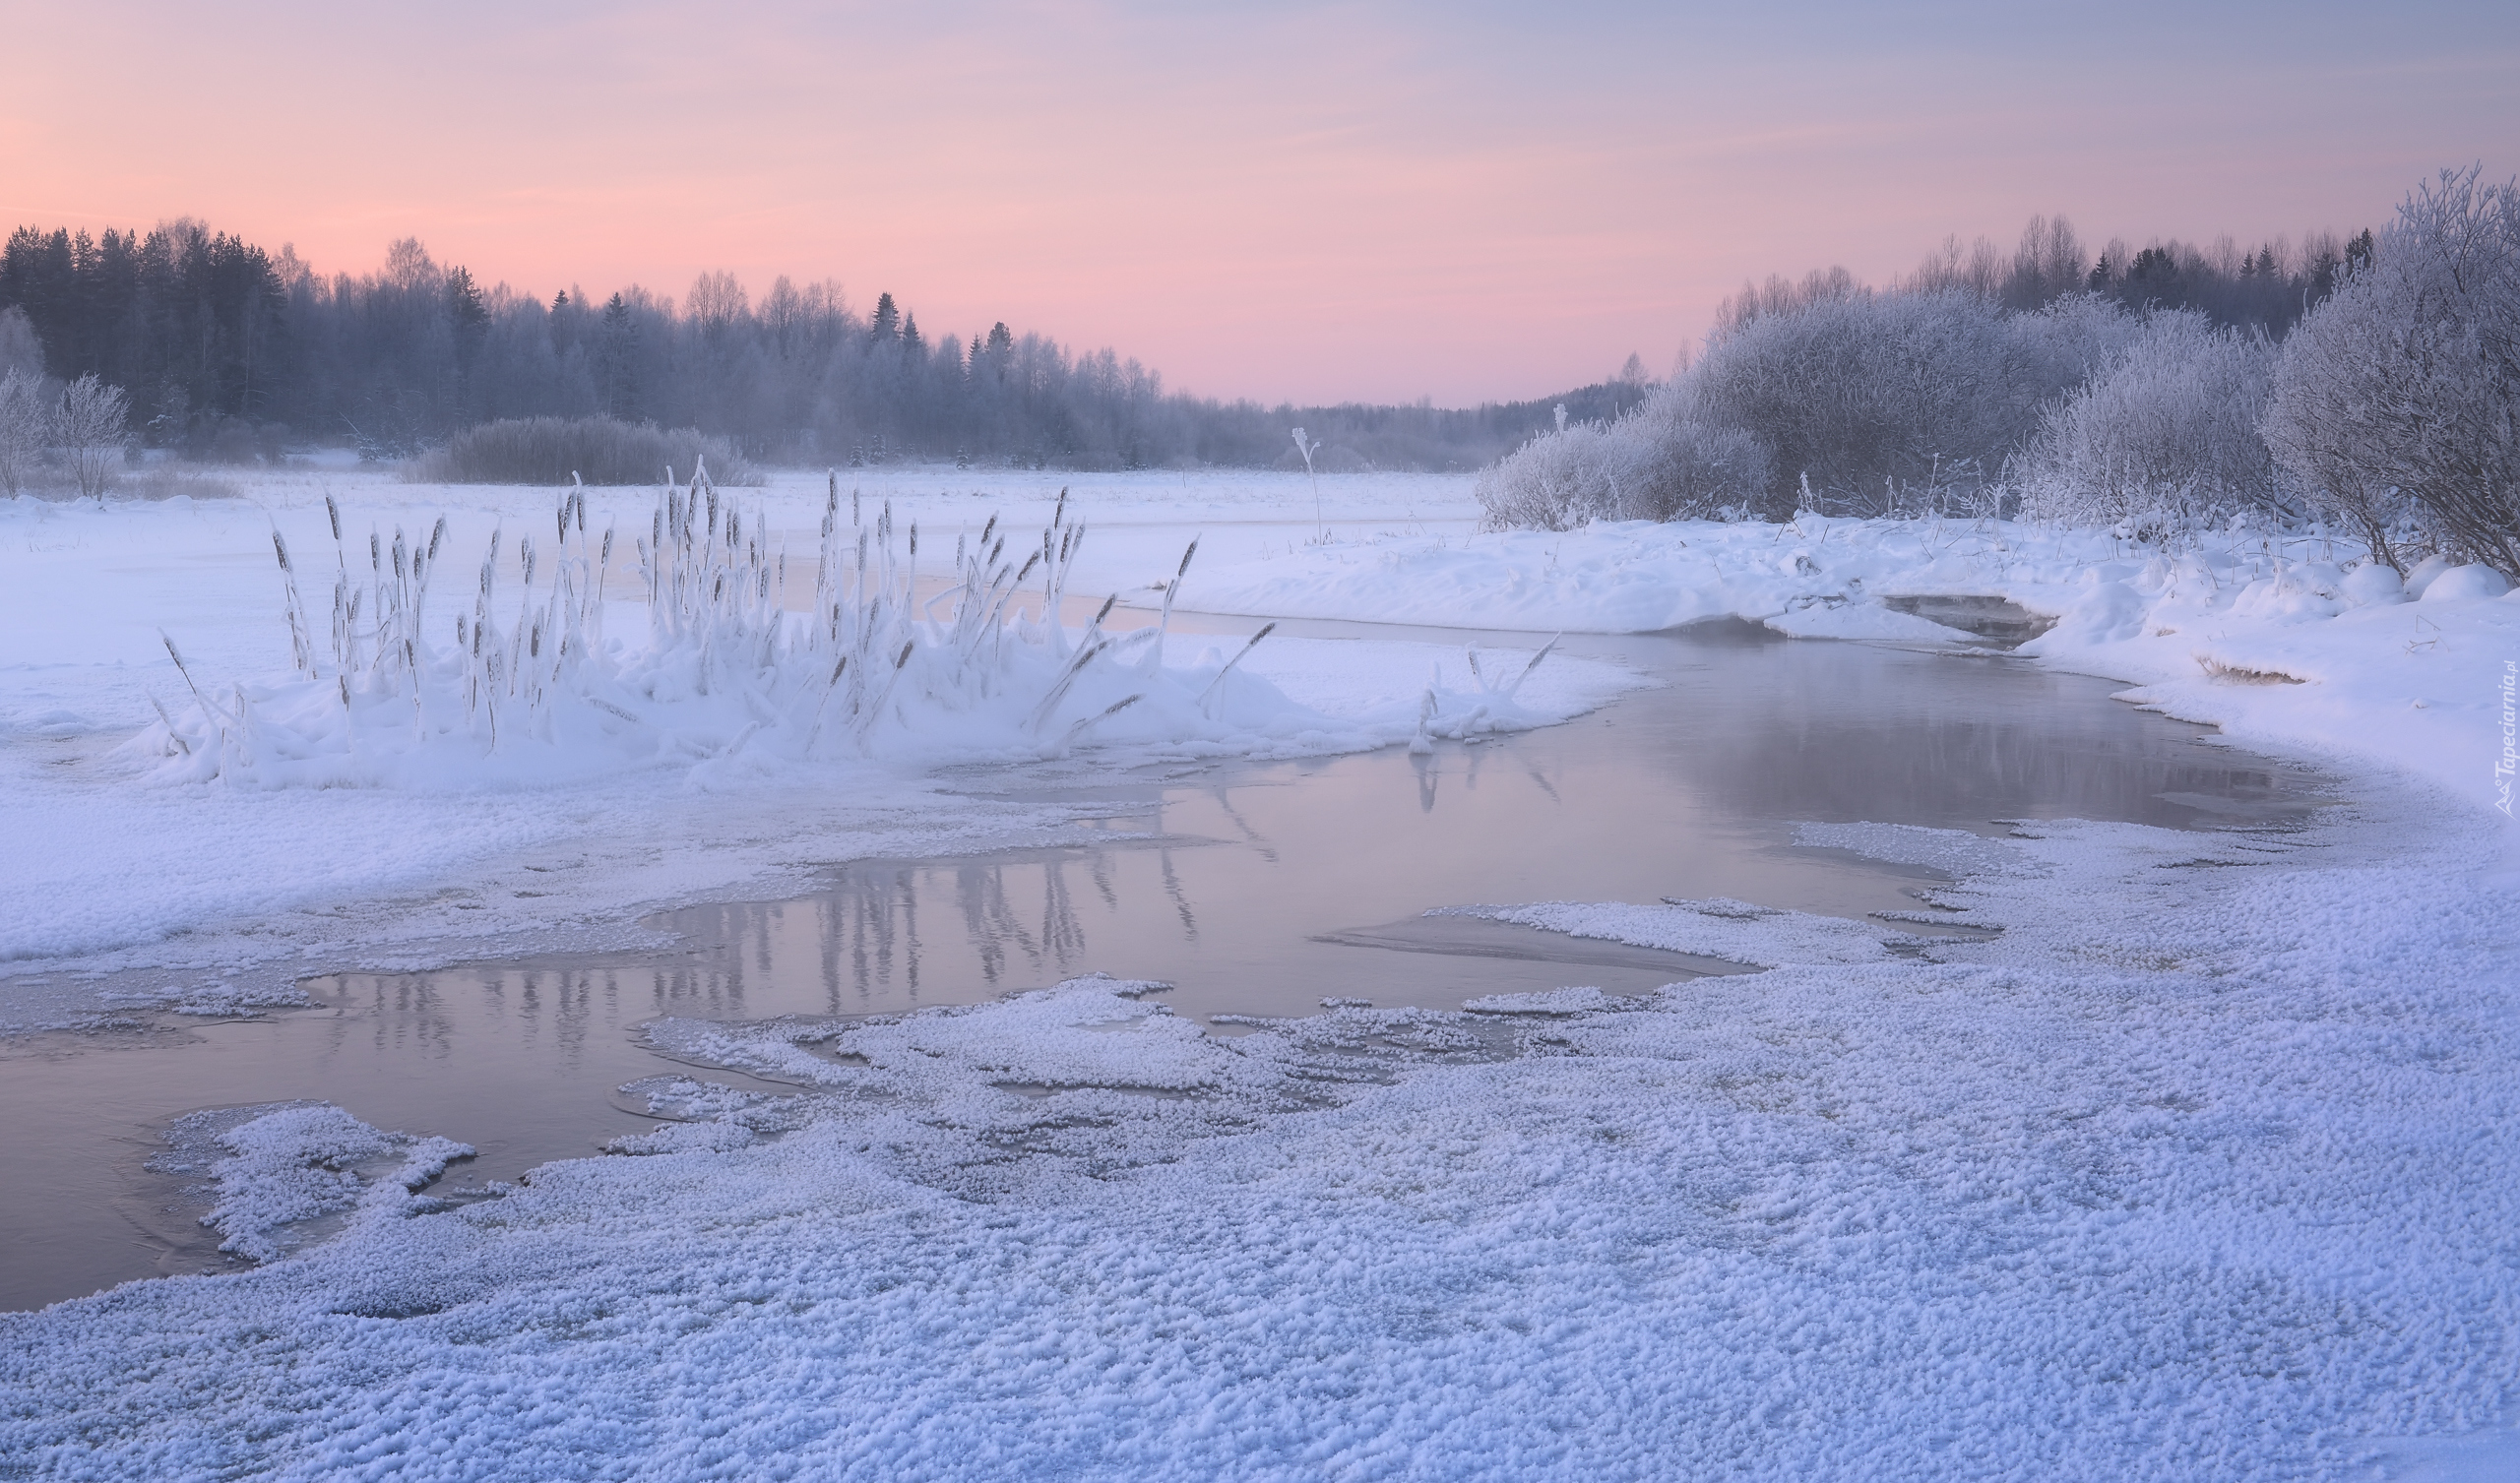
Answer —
89 427
2072 338
2167 429
1662 461
1881 403
1884 401
20 348
1563 480
1699 469
25 425
596 450
2405 384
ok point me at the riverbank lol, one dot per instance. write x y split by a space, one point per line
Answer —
2279 640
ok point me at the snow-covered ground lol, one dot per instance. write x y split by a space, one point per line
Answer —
2201 1158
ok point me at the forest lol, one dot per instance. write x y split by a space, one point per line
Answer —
229 352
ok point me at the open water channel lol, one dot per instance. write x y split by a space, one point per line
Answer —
1254 887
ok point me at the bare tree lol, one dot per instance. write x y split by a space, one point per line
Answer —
2048 265
2407 380
89 428
25 425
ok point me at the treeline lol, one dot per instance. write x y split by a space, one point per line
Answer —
227 351
2374 382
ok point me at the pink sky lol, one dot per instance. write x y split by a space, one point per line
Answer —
1467 202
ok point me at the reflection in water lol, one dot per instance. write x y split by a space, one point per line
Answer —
1258 888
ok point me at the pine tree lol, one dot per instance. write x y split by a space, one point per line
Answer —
471 319
618 362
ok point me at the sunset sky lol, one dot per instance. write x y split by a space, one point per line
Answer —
1469 201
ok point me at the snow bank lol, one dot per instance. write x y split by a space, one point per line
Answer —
2281 641
1820 578
2192 1173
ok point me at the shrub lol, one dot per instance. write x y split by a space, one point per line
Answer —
1563 480
1662 462
1881 401
598 450
26 426
2167 427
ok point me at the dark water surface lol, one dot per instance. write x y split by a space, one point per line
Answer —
1255 888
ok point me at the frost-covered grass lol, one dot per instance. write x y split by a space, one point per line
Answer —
866 657
744 665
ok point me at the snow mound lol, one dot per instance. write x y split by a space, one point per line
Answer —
275 1168
2465 583
1090 1031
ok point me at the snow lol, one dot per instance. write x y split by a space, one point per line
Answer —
273 1169
1575 1000
2198 1159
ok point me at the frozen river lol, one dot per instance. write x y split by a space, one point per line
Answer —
1256 889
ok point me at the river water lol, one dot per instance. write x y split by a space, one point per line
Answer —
1254 887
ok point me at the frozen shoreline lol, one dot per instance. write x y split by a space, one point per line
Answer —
2273 642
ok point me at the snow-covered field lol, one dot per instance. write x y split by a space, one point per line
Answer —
2206 1165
